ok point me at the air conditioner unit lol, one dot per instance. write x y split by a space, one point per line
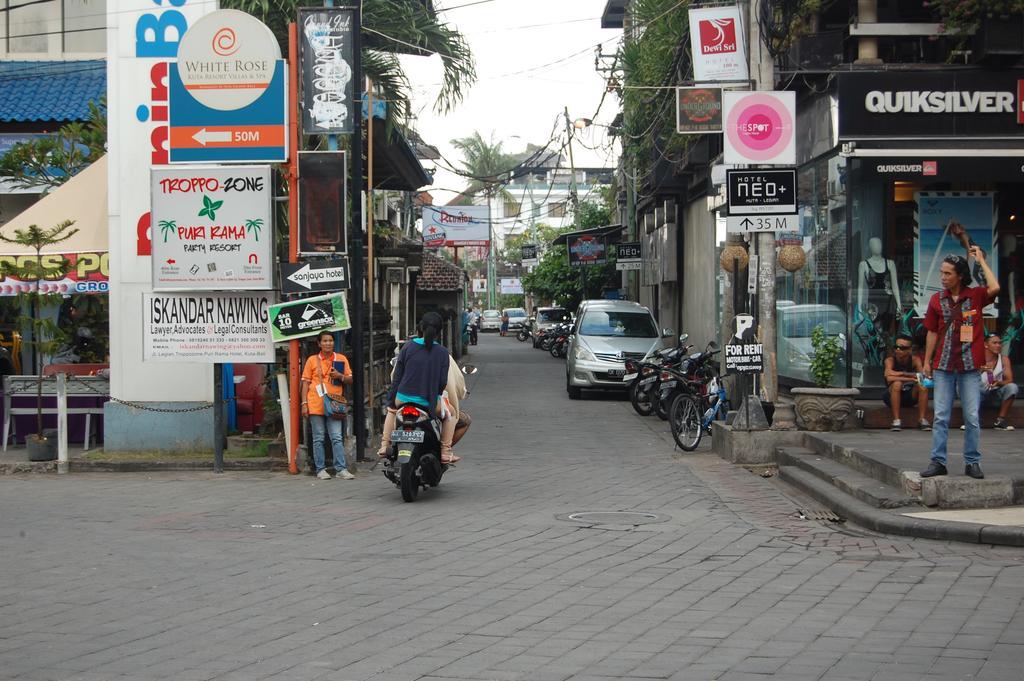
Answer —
394 275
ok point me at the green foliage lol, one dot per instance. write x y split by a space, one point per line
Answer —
554 280
826 352
390 26
46 336
487 162
651 59
48 162
962 16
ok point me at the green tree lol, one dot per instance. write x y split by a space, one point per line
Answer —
486 164
389 27
50 161
46 336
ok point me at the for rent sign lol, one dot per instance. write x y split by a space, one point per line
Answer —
213 228
207 328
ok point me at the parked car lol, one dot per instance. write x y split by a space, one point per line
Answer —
490 320
795 324
605 335
517 317
546 317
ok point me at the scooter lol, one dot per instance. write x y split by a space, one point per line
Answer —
644 376
414 460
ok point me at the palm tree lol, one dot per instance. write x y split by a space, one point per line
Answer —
389 27
485 165
254 227
167 227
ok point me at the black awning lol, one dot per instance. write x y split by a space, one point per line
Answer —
606 231
395 165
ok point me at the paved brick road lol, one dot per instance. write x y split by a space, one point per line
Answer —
254 576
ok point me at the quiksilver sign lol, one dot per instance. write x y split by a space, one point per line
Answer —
938 102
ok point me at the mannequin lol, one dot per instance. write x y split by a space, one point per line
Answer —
877 286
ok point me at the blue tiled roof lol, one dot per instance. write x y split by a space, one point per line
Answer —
50 90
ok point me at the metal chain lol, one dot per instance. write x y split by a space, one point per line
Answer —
137 405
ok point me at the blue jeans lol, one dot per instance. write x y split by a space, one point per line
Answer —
335 429
947 385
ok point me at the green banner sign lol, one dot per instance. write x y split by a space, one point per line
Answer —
308 317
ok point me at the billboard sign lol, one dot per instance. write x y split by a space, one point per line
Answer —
628 256
323 198
716 43
320 276
214 228
458 225
513 286
760 128
308 317
698 110
743 353
587 249
325 56
529 254
88 273
207 327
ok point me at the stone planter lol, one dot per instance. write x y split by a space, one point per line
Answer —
274 445
41 448
823 409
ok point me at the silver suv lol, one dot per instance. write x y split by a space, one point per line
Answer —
606 334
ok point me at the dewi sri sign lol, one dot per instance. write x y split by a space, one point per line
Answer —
962 103
213 228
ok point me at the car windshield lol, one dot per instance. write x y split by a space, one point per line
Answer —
800 324
556 314
621 324
516 312
491 313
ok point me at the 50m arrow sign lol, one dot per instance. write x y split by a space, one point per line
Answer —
314 276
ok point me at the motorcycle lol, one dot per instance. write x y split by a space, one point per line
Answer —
414 460
684 378
474 333
523 335
560 340
644 376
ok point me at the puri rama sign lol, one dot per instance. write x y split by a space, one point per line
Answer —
215 228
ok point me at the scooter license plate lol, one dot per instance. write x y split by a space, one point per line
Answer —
407 436
629 377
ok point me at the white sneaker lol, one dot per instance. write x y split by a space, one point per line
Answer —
323 475
963 427
896 425
345 475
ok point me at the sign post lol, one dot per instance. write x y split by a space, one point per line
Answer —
317 276
308 317
628 256
761 200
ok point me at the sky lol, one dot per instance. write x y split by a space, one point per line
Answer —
533 59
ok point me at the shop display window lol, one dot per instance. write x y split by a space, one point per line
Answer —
817 292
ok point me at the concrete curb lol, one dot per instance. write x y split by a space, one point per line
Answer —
894 523
109 466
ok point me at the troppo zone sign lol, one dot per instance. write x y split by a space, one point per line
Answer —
213 228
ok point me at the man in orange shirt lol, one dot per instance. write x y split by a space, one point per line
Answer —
320 378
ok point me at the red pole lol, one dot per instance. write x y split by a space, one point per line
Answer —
292 172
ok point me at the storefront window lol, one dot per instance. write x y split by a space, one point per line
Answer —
816 293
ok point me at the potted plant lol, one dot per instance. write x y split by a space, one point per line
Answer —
46 336
823 408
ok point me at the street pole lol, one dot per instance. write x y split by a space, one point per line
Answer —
358 326
490 253
292 174
371 397
572 169
218 417
762 70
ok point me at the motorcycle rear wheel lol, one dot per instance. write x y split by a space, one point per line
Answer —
546 344
522 336
685 422
556 350
409 482
641 400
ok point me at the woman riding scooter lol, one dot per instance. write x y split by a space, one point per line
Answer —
420 377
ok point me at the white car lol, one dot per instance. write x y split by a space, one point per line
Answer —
490 320
606 334
517 317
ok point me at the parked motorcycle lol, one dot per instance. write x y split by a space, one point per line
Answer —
644 376
414 460
524 334
683 378
560 340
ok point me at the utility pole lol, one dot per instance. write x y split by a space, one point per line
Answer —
574 195
490 250
763 72
357 263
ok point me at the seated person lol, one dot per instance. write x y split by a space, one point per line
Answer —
901 371
997 387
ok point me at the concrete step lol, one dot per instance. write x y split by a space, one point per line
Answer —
949 492
877 415
867 489
892 522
